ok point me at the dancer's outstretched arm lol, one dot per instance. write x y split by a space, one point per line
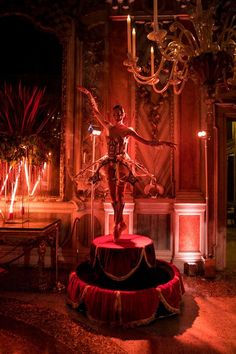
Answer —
94 105
139 138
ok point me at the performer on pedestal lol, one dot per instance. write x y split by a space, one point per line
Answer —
117 163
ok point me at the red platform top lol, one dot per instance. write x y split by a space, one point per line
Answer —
125 241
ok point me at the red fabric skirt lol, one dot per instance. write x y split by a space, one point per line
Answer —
127 307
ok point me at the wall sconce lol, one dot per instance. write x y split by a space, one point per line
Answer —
202 134
94 130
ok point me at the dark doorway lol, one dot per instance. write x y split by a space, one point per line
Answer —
231 195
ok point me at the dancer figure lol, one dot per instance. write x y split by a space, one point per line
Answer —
117 162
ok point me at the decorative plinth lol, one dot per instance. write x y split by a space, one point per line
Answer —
131 259
123 284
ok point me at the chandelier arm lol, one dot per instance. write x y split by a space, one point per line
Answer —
226 37
178 91
148 78
142 81
176 49
141 77
193 44
164 51
155 89
163 89
183 80
186 72
150 81
182 84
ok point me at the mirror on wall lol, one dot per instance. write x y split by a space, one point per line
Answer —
30 108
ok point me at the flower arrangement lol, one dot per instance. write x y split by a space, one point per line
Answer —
25 117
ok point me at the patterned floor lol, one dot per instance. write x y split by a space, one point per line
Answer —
41 322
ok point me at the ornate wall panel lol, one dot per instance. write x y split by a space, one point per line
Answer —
154 121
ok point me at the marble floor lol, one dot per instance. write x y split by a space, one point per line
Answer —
42 322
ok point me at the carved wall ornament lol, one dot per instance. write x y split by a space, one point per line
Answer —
153 120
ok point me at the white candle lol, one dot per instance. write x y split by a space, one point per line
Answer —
129 33
152 61
134 43
199 8
155 15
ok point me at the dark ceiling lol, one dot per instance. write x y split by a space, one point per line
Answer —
20 52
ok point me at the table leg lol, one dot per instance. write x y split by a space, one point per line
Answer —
59 286
42 247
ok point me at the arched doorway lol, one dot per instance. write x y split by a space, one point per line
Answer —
225 186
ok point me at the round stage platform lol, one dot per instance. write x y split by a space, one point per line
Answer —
124 284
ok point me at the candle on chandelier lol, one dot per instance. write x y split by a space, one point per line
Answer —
129 33
152 61
155 16
133 43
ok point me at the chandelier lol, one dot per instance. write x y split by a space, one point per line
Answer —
193 42
116 4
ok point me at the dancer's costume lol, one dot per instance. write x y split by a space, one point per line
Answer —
120 169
